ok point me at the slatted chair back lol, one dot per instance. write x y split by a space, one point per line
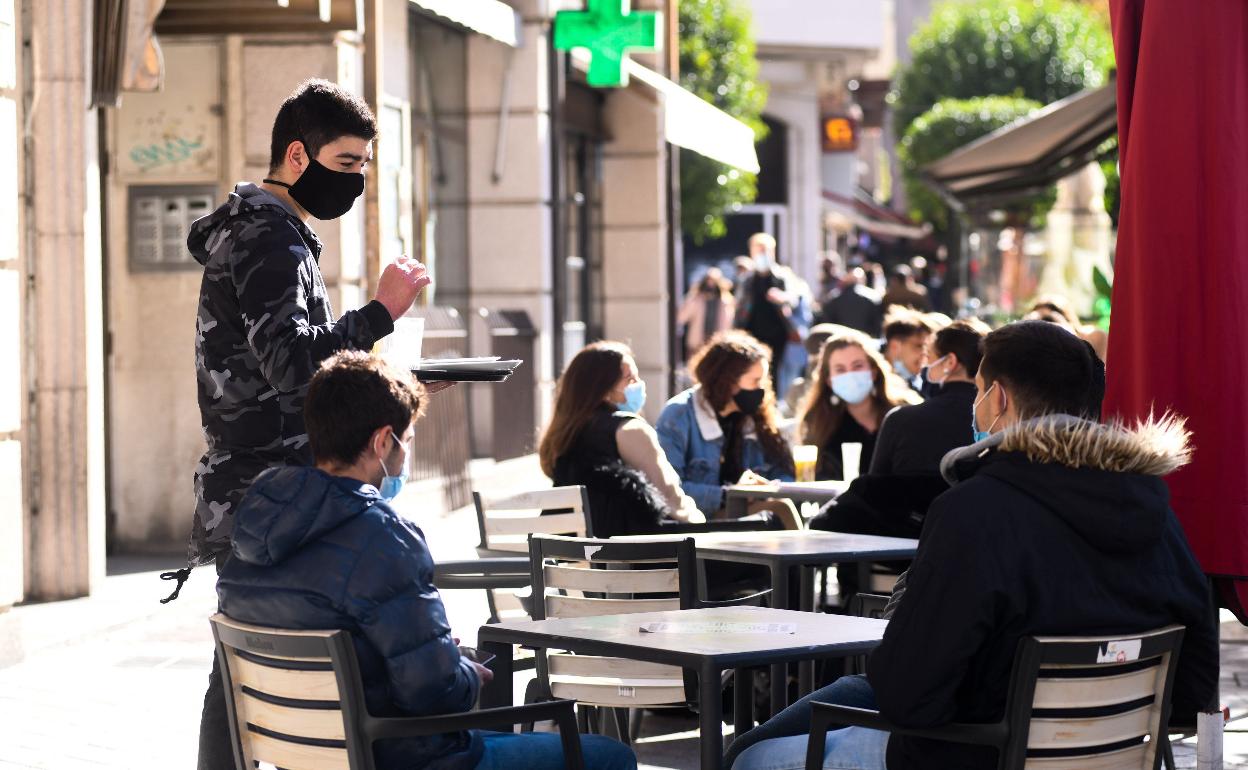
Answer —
295 700
584 577
505 523
294 697
1083 703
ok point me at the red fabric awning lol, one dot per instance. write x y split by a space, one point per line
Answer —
1180 298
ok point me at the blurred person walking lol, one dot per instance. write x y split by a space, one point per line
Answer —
708 309
856 306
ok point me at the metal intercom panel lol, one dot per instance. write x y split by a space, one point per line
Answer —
160 219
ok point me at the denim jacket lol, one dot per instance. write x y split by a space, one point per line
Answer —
691 438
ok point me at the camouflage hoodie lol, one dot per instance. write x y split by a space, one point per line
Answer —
264 325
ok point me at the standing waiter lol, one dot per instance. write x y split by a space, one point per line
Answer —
265 323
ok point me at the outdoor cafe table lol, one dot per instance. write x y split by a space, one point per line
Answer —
696 645
782 550
737 498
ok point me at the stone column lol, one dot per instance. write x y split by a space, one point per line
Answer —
65 452
1078 234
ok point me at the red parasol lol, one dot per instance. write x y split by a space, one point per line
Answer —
1180 302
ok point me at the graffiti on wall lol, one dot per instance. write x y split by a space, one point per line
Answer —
173 151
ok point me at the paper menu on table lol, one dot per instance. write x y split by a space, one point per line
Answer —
718 628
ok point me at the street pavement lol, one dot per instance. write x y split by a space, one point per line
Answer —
116 680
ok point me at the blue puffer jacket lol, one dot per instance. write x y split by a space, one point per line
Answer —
317 551
693 441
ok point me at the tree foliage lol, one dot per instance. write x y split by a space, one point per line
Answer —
1038 49
718 64
1023 53
943 129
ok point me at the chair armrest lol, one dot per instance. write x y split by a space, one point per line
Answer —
408 727
495 572
719 525
824 715
753 600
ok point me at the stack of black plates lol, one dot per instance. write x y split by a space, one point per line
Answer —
465 369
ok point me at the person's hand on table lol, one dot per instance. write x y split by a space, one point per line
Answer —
751 479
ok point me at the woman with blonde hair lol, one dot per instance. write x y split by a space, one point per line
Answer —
853 389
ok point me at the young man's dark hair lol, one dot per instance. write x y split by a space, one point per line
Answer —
317 113
964 339
1047 368
349 398
904 323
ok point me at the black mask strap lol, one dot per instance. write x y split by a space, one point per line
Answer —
274 181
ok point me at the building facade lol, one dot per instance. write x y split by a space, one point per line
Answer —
526 192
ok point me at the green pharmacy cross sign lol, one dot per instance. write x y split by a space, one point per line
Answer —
609 30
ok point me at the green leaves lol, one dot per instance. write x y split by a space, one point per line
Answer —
944 128
978 66
718 64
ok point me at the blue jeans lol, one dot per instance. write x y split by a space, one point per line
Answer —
544 751
850 748
852 691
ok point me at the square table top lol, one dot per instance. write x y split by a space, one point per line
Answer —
815 634
795 545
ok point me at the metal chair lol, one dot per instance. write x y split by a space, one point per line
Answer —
583 577
295 700
1074 703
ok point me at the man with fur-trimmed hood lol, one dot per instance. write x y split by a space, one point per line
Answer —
1056 524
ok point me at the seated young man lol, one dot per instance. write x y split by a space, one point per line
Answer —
320 547
1055 525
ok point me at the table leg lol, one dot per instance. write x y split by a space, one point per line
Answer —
711 718
743 701
735 506
499 691
806 668
779 672
864 577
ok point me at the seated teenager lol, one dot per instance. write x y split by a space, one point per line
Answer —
723 431
1056 525
851 394
907 333
598 438
320 547
913 439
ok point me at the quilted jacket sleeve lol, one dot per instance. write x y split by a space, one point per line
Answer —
390 594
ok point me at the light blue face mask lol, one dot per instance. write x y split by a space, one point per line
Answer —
634 398
853 387
980 435
392 485
900 367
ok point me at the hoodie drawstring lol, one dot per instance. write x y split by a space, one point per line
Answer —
179 575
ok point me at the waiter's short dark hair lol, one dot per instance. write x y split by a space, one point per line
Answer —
351 396
316 113
1047 368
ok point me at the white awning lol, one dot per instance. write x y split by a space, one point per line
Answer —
690 122
489 17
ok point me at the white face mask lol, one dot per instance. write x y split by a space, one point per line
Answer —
931 372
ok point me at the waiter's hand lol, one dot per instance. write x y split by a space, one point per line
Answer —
400 284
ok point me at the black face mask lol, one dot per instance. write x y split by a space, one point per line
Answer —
748 401
324 193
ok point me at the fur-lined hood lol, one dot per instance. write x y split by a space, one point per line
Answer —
1154 447
1104 480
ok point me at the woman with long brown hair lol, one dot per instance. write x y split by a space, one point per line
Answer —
724 429
852 391
598 439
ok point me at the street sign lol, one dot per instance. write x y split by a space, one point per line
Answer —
840 134
609 31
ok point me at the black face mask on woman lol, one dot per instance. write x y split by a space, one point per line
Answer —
324 193
748 401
